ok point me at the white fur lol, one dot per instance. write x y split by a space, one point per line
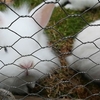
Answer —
80 4
22 61
86 51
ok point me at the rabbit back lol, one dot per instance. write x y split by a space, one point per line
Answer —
85 55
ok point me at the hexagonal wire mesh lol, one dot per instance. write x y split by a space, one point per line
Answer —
28 64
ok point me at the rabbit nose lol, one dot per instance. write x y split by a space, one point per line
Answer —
26 66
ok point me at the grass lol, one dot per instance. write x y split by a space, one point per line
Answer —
66 83
64 23
71 24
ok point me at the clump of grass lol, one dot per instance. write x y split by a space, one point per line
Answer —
68 22
66 83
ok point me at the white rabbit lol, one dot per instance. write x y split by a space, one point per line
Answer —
25 55
85 55
79 4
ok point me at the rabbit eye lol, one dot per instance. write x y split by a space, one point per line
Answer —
5 49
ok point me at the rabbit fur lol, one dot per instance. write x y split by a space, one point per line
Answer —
85 55
25 55
79 4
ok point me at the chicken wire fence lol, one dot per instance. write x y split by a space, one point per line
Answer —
64 84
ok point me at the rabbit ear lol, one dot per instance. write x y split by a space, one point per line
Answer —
42 13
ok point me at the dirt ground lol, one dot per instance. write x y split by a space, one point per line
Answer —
38 98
